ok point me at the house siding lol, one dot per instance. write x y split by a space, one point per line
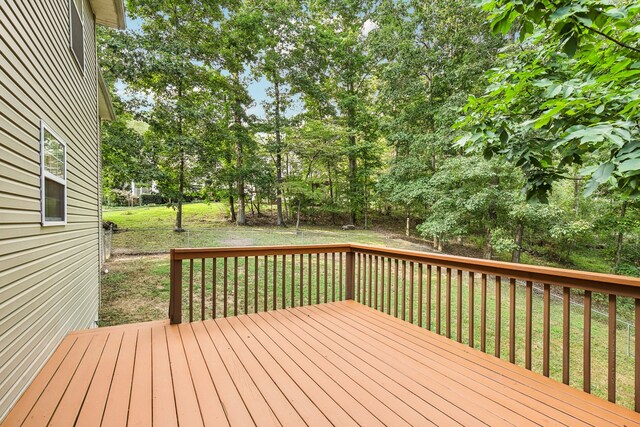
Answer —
49 276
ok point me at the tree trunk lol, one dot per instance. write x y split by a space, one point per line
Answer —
298 214
180 195
353 162
576 195
331 197
488 247
407 230
620 237
232 207
280 221
237 123
517 252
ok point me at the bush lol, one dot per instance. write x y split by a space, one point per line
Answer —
113 197
152 199
628 270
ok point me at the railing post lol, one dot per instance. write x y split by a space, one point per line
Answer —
350 275
175 292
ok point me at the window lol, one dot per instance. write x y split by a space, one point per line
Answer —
77 31
53 184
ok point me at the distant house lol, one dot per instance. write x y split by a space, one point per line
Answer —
52 98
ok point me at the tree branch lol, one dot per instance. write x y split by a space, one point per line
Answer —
608 37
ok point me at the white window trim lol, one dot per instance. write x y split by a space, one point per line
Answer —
44 174
73 53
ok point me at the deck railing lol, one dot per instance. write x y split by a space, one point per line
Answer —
461 298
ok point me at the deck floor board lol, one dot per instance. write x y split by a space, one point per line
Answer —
330 364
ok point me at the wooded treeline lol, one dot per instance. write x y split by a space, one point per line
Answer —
511 126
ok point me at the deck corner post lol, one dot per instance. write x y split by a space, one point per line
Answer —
350 275
175 292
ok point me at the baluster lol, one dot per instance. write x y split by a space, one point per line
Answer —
438 297
214 296
265 293
586 345
301 280
546 331
333 277
293 280
395 312
202 289
255 284
382 288
375 292
411 290
388 285
611 388
448 302
341 255
512 320
326 265
528 325
235 286
370 280
364 279
471 309
309 281
498 314
246 285
420 292
359 278
274 298
318 278
459 307
284 281
225 286
566 332
483 313
191 290
637 355
428 302
404 288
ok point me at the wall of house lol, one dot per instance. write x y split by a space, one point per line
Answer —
49 276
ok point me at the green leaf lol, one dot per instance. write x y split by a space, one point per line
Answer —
630 165
571 46
603 172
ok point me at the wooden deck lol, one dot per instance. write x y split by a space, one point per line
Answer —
333 364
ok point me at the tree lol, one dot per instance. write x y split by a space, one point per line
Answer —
334 67
159 60
124 154
564 94
279 36
431 57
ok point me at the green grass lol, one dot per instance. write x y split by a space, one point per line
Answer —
195 215
149 230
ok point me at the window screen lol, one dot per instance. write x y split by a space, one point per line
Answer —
77 33
54 179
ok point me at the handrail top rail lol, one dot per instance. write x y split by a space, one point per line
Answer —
542 274
516 269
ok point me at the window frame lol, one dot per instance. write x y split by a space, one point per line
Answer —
72 4
44 175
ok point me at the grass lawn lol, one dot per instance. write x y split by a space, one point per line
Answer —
149 230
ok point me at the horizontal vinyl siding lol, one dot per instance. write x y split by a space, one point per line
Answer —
49 276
